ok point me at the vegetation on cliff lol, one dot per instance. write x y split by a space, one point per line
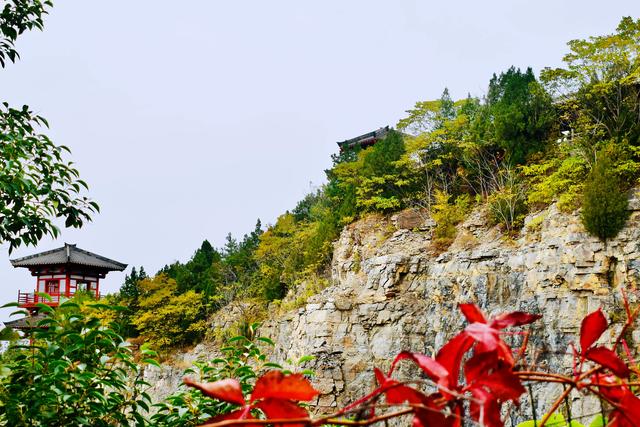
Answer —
528 142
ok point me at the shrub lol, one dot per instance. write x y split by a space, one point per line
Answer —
74 372
560 177
447 215
604 208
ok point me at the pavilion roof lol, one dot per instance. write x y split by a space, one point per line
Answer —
25 323
68 254
364 139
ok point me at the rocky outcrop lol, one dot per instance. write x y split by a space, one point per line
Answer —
392 291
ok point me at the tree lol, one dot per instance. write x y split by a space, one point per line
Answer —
520 113
16 17
37 184
429 115
382 179
130 288
167 318
447 107
604 208
600 83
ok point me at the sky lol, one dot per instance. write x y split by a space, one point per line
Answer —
192 119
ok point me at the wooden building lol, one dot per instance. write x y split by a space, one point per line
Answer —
62 272
364 140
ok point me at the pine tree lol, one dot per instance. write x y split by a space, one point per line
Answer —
447 108
129 288
604 208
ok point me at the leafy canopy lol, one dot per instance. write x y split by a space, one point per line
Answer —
37 184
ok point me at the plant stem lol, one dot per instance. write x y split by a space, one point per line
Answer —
533 406
555 406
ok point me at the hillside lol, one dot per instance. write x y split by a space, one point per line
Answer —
392 290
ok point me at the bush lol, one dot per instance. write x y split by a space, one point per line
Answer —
604 208
507 200
558 177
75 372
447 215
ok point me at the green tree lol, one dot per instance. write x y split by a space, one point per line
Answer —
130 289
600 85
129 295
167 318
16 17
605 205
426 116
382 176
239 265
447 108
520 113
37 184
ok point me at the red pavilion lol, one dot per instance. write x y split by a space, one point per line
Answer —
62 272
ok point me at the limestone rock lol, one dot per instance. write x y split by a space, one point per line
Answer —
403 295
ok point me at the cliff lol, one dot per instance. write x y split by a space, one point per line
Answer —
392 291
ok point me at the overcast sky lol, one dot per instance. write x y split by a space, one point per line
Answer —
192 119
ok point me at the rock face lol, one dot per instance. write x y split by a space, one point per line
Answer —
391 292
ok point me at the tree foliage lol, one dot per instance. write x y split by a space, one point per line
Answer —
75 372
37 184
166 317
605 207
16 17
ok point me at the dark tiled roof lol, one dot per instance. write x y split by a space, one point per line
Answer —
69 254
365 139
27 322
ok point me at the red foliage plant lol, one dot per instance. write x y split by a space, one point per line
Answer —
492 376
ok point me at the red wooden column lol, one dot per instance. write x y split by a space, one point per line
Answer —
68 283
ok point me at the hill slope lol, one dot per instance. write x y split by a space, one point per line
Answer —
392 291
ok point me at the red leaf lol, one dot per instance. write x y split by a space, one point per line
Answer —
485 409
450 356
604 383
593 326
628 412
240 414
484 334
380 376
282 409
480 364
516 318
472 313
279 386
433 415
228 390
431 367
395 392
630 406
608 359
502 385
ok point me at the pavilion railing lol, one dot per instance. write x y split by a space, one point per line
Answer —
32 298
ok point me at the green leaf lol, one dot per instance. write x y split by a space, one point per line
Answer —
266 340
598 421
306 358
151 362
